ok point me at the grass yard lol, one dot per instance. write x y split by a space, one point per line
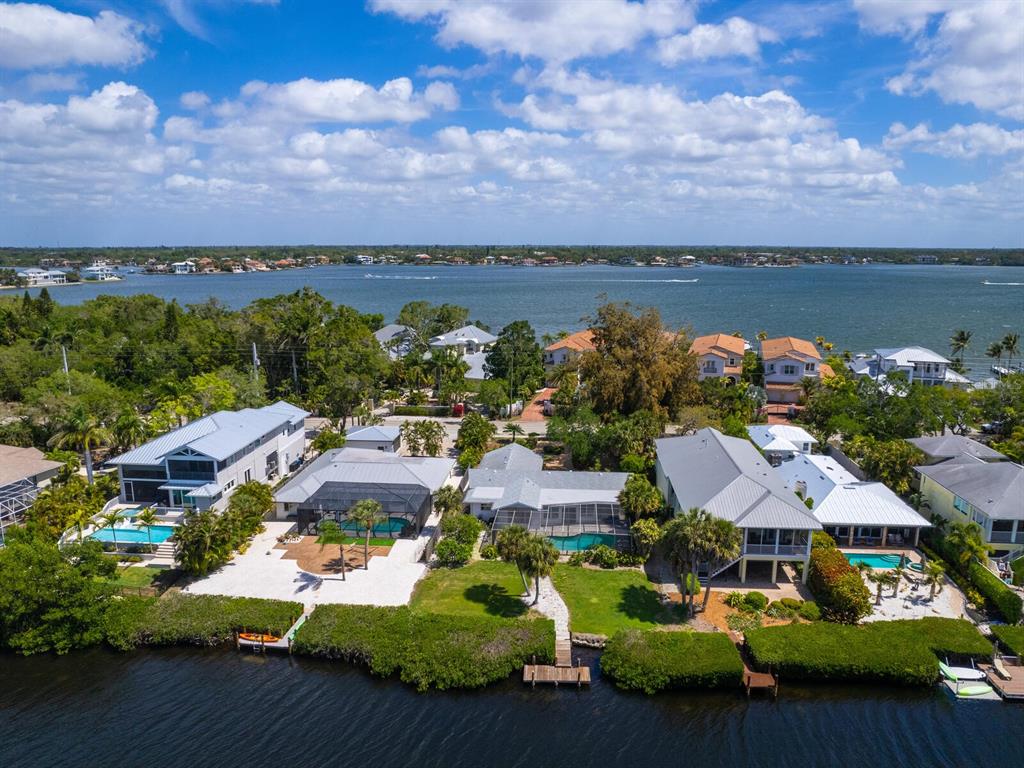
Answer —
604 602
483 588
136 577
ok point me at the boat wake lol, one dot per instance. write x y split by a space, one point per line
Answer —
694 280
989 282
400 277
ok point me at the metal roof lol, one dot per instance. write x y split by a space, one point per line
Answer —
950 446
373 433
513 479
390 331
994 488
907 356
366 466
511 456
23 463
730 479
218 435
780 437
462 335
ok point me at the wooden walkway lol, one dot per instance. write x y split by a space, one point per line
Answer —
754 681
1013 688
562 673
284 644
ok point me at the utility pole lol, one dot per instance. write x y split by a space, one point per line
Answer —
295 373
67 375
255 363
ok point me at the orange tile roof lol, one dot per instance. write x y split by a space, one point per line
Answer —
773 348
581 341
704 345
826 371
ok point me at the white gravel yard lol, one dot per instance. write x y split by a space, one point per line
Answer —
262 572
553 606
911 603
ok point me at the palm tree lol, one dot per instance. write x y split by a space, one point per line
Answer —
995 349
934 576
513 429
878 579
129 429
81 430
366 514
959 341
1011 344
688 538
966 539
537 559
510 544
331 533
147 519
724 545
81 518
819 341
110 520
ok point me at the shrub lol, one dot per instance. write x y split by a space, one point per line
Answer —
755 601
603 556
489 552
652 661
821 540
779 611
743 622
792 603
899 652
841 593
422 410
452 553
1011 637
734 599
631 559
426 650
993 591
809 610
465 529
578 559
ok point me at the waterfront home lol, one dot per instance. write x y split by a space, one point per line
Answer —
787 362
719 355
574 509
397 340
990 494
939 448
851 511
333 482
200 464
183 267
729 478
918 364
23 472
374 438
471 342
568 349
37 278
99 272
781 442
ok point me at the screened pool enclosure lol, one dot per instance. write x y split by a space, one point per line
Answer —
569 526
405 508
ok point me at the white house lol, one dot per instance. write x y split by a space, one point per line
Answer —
569 349
472 343
920 365
720 355
787 362
781 442
99 271
200 464
186 267
374 438
37 278
852 511
728 477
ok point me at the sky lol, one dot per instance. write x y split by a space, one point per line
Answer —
192 122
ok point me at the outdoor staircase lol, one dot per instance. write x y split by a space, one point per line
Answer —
704 578
563 653
165 550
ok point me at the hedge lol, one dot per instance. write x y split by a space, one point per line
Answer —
423 410
426 649
1007 602
179 619
838 587
898 652
1011 637
651 661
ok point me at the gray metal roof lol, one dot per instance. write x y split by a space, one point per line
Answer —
730 479
218 435
907 356
996 488
365 466
512 456
373 433
390 331
462 335
530 486
950 446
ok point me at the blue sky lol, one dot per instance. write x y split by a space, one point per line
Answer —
868 122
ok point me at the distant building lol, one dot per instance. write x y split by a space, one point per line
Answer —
472 342
374 438
23 473
940 448
720 355
568 349
397 340
38 278
781 442
362 258
787 362
99 272
183 267
919 364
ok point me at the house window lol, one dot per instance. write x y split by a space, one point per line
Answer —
710 366
961 505
809 368
771 368
789 370
248 476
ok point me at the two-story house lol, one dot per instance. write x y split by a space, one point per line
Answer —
472 344
787 362
568 350
918 364
729 478
200 464
720 355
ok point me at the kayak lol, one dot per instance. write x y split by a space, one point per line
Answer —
973 690
255 637
960 673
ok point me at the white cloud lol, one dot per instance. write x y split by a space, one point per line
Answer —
52 82
733 37
973 56
194 100
964 142
115 108
34 36
455 73
553 30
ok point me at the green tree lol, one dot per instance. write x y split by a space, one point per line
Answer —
638 498
110 520
537 559
513 429
888 461
1011 345
724 545
366 513
327 440
934 577
959 342
448 501
129 429
511 542
646 534
147 519
428 320
474 432
995 350
411 437
81 430
687 538
493 395
332 534
517 358
429 437
967 540
202 542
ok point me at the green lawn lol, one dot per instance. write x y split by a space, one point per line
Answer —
603 602
136 577
483 588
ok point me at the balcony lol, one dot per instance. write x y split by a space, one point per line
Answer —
1006 537
788 550
186 475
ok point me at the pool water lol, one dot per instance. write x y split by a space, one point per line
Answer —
391 527
133 535
878 560
582 541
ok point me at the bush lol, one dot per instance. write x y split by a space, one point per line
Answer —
899 652
743 622
734 599
489 552
1011 637
652 661
755 601
631 559
809 611
426 650
792 603
779 611
465 529
578 559
452 553
603 556
841 593
993 591
179 619
821 540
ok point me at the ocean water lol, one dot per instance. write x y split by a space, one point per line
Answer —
856 307
194 708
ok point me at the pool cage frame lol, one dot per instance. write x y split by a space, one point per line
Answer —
412 503
15 499
566 520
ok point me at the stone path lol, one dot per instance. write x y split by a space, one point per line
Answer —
553 606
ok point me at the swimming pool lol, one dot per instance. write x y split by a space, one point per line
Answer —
391 527
133 535
878 560
582 541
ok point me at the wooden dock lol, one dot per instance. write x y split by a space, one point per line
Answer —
562 673
1012 689
282 644
754 681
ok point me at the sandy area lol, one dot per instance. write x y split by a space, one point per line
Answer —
717 611
327 560
914 602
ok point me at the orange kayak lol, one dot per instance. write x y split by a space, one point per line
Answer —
256 637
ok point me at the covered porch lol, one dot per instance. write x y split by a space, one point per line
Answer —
873 535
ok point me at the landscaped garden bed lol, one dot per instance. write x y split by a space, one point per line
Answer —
427 650
655 660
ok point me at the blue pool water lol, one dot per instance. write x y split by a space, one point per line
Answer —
582 541
878 560
391 527
159 533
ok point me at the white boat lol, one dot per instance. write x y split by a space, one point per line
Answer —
959 674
